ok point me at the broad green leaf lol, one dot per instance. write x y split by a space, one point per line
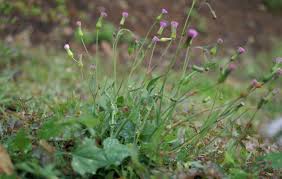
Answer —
275 159
88 158
89 121
50 129
115 151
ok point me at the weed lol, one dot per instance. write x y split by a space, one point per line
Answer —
146 124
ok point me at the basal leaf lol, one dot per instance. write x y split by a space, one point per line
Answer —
88 158
275 159
50 129
115 151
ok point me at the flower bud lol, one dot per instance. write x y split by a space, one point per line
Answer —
163 24
69 52
241 50
79 30
174 26
155 39
100 20
255 84
198 69
165 39
220 41
124 16
191 34
164 11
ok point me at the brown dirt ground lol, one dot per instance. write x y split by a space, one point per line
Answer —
239 22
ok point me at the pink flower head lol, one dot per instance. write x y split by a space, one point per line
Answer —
78 23
278 60
241 50
104 14
163 24
220 41
254 83
67 46
164 11
232 67
125 14
155 39
174 24
192 33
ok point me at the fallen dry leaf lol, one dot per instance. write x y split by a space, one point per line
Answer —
6 165
49 148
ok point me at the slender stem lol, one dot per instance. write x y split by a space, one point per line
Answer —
85 48
82 75
186 62
96 59
166 49
119 33
151 57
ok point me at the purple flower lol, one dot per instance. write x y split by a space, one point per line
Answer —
241 50
192 33
278 60
163 24
104 14
220 41
155 39
174 24
78 23
256 84
67 46
125 14
164 11
232 67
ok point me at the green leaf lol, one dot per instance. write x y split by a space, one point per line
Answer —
89 121
238 174
275 159
120 101
115 151
88 158
21 141
152 84
50 128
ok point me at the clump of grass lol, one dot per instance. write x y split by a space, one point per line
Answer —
147 124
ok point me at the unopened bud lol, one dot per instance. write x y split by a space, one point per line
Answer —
191 34
174 26
79 30
124 16
69 52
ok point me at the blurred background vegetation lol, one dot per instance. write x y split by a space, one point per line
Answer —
31 27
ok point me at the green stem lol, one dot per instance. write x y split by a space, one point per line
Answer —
97 56
151 57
